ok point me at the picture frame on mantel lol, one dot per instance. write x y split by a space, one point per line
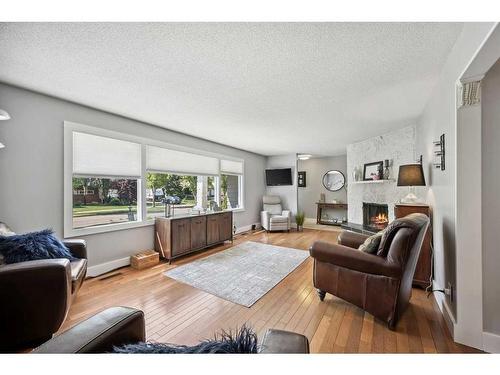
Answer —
373 171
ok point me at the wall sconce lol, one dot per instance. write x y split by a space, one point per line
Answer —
4 115
439 152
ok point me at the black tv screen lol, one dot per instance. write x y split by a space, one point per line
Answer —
279 177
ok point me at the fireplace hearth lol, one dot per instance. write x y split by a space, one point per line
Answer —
375 215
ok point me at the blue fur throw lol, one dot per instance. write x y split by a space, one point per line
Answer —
33 246
243 340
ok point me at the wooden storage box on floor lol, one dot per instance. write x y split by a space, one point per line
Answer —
145 259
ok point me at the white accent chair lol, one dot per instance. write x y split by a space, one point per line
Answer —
273 217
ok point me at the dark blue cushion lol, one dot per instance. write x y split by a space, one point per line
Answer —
33 246
242 341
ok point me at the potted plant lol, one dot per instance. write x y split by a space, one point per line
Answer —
299 220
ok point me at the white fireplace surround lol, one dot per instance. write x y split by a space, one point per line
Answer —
397 146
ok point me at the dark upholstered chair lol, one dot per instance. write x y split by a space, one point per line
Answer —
118 326
378 283
36 295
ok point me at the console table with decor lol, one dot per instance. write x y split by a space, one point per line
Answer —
180 235
324 205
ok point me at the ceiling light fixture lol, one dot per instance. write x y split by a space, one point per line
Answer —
1 145
4 115
303 156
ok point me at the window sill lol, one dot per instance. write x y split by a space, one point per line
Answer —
106 228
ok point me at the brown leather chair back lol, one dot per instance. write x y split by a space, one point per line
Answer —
403 241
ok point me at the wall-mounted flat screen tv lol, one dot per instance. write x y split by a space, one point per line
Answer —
279 177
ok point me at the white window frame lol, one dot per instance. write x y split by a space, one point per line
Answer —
70 127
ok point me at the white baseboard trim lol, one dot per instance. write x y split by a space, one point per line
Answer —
491 342
445 310
448 318
246 228
99 269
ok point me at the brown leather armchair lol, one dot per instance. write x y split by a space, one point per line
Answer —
378 283
36 295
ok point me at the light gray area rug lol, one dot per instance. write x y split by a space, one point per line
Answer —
241 274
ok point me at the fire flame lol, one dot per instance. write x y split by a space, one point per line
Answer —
381 218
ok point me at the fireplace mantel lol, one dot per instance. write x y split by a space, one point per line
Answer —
374 181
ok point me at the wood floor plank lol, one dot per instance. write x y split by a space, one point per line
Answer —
182 314
366 337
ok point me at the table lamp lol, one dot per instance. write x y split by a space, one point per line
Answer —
411 175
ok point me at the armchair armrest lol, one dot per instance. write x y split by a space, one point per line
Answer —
77 247
353 259
115 326
351 239
264 219
286 213
37 296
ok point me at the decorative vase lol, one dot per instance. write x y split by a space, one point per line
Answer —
387 172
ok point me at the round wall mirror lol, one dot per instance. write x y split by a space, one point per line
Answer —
333 180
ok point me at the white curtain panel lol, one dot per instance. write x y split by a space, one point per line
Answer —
231 166
101 156
160 159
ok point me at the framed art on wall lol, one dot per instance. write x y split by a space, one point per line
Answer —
301 179
373 171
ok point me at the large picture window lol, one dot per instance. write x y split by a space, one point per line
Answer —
231 184
116 181
100 201
183 192
230 188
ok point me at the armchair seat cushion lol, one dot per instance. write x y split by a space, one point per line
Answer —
278 219
78 272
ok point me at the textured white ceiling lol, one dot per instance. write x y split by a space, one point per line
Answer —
270 88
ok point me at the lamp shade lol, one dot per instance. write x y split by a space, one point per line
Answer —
411 175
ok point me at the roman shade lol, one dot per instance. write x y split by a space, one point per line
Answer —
107 157
160 159
231 166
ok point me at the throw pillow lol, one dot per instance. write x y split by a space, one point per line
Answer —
372 243
33 246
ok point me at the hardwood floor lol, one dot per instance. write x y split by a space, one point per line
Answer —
181 314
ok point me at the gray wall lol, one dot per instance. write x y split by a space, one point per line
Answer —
288 193
438 117
490 102
315 169
31 168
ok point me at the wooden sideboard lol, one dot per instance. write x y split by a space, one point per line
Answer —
423 270
178 236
